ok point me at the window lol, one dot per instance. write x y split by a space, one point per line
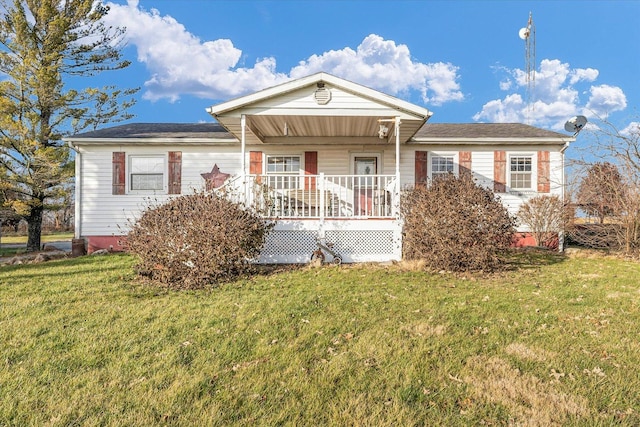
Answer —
521 174
146 173
283 169
441 165
363 167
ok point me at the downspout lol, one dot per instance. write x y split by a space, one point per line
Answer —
77 221
564 184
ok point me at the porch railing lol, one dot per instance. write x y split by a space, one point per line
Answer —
319 196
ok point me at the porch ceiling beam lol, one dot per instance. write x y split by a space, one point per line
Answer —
341 112
254 130
328 140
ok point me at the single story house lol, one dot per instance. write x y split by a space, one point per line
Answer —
326 157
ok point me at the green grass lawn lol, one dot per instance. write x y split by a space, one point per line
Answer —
45 238
555 342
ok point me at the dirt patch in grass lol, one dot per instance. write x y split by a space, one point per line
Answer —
525 352
586 253
632 293
426 330
532 401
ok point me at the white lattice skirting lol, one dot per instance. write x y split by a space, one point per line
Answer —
293 242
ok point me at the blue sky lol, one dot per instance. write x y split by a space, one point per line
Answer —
464 60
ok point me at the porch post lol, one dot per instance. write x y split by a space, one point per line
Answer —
397 189
243 148
243 160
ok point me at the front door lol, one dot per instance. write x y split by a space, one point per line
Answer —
365 169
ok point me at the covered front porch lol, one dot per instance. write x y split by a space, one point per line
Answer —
321 156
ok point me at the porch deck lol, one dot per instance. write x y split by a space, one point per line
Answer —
358 214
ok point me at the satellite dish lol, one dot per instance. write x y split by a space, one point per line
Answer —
575 124
523 33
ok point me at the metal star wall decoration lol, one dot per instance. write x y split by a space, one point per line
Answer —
215 178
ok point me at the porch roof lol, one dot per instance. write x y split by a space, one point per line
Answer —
320 108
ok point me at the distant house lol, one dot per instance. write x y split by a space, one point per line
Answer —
327 157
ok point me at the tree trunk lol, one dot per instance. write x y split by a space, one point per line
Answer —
34 227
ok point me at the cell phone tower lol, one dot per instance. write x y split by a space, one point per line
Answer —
528 34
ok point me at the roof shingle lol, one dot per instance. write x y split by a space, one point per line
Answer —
484 130
159 130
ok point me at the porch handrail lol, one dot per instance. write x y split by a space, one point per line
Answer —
321 196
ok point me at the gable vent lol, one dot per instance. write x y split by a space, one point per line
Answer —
322 95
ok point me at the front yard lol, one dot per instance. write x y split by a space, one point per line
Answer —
555 342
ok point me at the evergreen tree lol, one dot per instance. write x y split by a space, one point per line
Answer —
45 46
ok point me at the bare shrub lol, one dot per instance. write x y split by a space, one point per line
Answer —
456 225
196 240
546 217
611 187
601 190
595 236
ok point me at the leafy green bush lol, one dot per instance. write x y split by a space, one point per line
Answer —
456 225
196 240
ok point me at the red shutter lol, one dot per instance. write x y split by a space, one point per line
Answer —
255 162
310 168
464 162
499 171
421 168
119 174
544 181
175 172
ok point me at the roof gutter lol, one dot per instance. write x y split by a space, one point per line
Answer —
76 142
566 145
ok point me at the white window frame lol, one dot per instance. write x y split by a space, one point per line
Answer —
443 154
377 154
534 172
165 173
291 182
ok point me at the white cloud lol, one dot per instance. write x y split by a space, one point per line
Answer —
383 65
180 63
507 110
606 99
583 74
505 84
554 91
632 130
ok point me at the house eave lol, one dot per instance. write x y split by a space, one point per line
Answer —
490 141
151 141
284 88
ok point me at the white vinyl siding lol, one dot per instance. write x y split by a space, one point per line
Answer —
105 214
